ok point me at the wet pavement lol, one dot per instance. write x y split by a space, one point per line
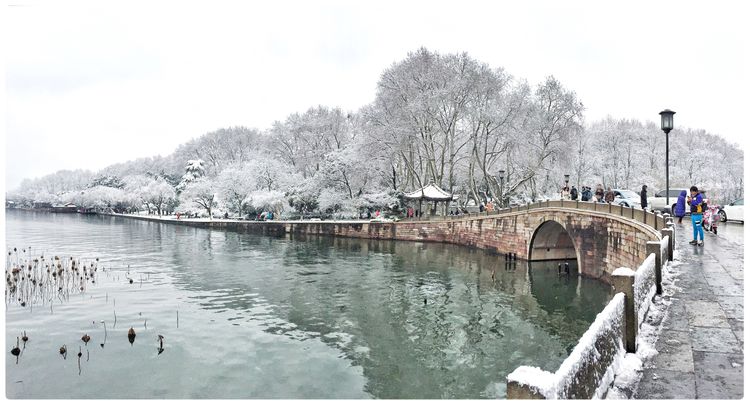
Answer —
701 342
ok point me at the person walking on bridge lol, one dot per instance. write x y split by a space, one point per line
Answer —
565 193
696 215
609 197
644 198
585 193
679 208
599 193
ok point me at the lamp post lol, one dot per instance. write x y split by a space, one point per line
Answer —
567 179
502 179
667 124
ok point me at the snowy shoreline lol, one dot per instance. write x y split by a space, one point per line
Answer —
173 218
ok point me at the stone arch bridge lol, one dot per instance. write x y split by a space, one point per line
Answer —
600 237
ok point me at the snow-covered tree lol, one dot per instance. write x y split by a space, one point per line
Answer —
270 173
194 170
557 114
419 104
303 140
166 167
303 196
234 185
49 188
160 195
156 194
107 180
265 200
199 194
221 148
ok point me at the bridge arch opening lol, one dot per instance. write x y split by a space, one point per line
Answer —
552 242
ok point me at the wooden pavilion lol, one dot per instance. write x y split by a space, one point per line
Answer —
431 193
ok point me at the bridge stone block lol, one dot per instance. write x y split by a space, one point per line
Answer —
654 247
622 280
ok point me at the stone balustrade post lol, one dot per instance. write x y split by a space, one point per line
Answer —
623 279
654 247
526 390
669 232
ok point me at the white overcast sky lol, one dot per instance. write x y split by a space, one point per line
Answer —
90 84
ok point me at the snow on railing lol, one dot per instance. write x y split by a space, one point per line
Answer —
595 353
644 287
664 249
531 383
588 371
653 220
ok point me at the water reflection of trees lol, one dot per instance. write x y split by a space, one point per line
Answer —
367 298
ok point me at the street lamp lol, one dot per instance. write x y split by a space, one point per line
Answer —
667 124
567 179
502 179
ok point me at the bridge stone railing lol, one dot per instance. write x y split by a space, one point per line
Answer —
653 220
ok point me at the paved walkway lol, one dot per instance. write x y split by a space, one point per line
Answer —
701 342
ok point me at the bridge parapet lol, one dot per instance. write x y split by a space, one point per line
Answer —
654 220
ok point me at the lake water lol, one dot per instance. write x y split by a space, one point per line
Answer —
264 317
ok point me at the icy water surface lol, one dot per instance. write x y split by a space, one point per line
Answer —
263 317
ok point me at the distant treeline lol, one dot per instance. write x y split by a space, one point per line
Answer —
447 119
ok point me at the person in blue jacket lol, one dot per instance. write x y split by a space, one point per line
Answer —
679 208
696 215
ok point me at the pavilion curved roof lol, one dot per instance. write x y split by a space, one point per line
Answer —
429 192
